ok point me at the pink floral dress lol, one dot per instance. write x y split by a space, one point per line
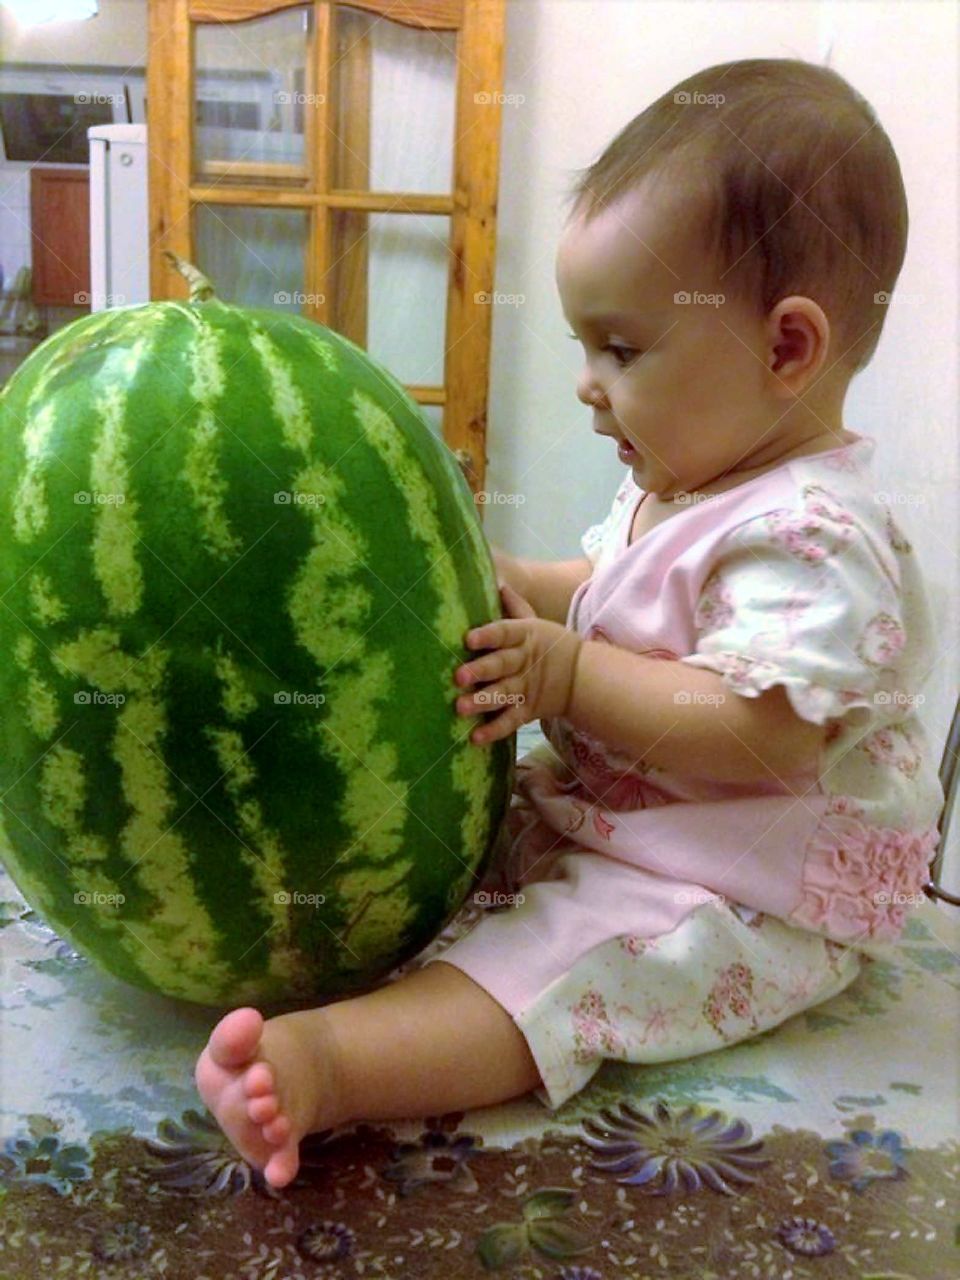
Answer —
644 915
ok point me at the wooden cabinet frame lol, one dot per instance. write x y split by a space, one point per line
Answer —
336 261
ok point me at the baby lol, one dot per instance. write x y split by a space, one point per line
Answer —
736 796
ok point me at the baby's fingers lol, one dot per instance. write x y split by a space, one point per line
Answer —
496 635
503 725
515 604
491 666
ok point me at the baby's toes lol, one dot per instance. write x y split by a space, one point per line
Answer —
234 1039
278 1130
282 1166
259 1080
264 1109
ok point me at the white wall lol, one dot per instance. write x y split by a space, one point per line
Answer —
117 36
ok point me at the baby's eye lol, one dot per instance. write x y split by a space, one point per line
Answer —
622 355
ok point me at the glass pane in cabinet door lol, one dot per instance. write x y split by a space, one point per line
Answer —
393 103
247 77
387 289
434 416
254 257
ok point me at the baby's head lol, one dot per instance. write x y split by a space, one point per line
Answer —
766 193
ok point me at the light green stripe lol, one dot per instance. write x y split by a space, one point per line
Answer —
34 886
323 350
328 607
174 948
63 790
235 698
63 787
45 604
30 510
201 471
206 364
115 521
208 488
40 706
380 909
472 771
60 347
266 858
289 407
449 621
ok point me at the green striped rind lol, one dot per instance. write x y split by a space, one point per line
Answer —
183 600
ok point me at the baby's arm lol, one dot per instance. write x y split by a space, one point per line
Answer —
685 720
549 585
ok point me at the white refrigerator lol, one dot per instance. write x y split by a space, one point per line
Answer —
119 225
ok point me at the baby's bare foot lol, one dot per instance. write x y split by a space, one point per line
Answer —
268 1084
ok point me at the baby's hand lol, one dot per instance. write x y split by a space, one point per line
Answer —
528 675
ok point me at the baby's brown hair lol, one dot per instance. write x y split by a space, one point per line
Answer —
783 129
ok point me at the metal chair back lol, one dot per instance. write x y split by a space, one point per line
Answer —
949 773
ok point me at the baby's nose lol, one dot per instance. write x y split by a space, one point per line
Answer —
588 392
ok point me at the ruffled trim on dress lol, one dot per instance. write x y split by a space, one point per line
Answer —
753 676
859 881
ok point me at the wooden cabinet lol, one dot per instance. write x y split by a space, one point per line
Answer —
281 198
60 230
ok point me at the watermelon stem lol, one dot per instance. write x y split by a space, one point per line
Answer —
201 289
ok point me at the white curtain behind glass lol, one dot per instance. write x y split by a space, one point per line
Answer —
255 256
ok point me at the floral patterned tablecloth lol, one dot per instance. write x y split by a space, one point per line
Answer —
828 1147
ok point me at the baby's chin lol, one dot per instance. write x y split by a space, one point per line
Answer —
662 490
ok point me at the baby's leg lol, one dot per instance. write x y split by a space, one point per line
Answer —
433 1041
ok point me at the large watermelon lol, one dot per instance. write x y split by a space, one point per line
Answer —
236 570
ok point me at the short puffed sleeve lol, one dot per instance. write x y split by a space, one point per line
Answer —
807 598
593 540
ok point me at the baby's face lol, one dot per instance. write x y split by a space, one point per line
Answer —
680 381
